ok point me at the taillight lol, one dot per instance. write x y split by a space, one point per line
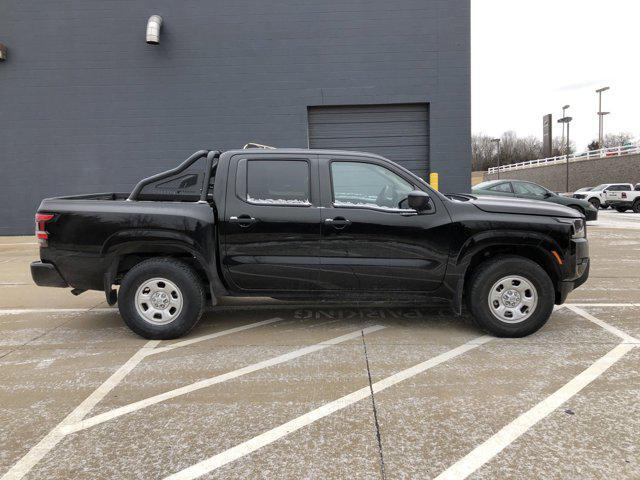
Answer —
41 232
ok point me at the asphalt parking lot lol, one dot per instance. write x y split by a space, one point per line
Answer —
268 390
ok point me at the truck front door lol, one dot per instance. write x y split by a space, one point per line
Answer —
271 227
371 240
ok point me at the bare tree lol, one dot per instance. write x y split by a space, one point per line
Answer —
559 147
617 139
513 149
483 152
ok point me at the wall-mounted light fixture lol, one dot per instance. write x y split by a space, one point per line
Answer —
3 52
154 24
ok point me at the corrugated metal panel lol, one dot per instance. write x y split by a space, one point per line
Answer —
398 132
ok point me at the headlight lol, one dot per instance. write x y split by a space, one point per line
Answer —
579 228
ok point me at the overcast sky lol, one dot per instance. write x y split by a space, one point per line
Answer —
531 57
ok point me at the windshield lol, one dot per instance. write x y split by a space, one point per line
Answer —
601 187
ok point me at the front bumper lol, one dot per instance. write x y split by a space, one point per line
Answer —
47 275
591 215
576 269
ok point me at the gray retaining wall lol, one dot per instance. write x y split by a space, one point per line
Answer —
584 173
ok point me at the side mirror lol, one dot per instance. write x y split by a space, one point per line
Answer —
419 201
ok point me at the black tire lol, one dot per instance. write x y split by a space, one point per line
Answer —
189 290
595 203
487 274
636 206
621 209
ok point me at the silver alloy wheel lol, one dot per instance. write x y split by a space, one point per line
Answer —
159 301
513 299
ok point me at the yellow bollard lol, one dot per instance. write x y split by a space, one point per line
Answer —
433 180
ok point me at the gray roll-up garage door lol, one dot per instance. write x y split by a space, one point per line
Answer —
398 132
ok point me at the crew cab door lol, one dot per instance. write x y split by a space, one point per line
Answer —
271 227
617 192
371 240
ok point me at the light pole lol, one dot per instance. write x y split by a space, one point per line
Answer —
601 115
564 114
497 141
566 120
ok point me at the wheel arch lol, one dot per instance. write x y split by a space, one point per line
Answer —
126 249
533 246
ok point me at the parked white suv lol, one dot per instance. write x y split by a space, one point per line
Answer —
596 196
625 199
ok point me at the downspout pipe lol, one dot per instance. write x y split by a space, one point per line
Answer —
154 24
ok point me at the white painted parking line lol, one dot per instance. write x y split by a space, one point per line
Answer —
202 338
599 305
514 430
609 328
270 436
26 463
508 434
132 407
33 456
22 311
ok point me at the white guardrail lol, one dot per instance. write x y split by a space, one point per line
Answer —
574 157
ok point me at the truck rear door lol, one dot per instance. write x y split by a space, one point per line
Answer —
271 224
618 192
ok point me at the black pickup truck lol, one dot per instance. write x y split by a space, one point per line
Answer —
313 225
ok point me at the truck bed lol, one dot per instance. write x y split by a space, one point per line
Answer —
94 196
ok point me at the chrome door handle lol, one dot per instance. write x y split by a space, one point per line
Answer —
338 222
243 221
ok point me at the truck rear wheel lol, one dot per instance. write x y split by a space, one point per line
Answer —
636 206
161 299
510 296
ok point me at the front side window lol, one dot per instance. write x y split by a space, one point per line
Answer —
529 189
359 184
501 187
278 182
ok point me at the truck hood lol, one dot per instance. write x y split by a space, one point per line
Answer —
522 206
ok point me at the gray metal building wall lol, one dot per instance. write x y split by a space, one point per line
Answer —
86 105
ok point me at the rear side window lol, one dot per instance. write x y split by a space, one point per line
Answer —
528 189
501 187
278 182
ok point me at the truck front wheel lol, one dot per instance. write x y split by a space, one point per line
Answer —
510 296
161 298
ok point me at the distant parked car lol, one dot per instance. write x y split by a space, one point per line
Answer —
533 191
596 196
624 200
